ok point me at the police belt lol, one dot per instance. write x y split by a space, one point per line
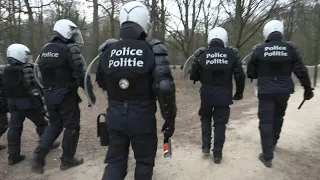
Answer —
67 85
130 102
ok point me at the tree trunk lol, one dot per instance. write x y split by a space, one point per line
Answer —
162 22
317 45
95 29
33 45
112 20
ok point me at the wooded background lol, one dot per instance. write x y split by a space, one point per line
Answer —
182 24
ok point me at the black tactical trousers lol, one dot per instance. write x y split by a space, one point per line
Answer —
133 123
220 117
16 126
272 109
64 115
3 123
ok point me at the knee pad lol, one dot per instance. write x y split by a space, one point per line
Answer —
266 129
205 112
205 119
73 131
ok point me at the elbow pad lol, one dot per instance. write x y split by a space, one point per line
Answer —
164 86
30 80
76 62
165 91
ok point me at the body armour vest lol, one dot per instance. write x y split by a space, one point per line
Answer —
216 67
13 82
54 66
127 67
275 59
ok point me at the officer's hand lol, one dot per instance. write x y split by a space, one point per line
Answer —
237 96
308 93
168 129
42 110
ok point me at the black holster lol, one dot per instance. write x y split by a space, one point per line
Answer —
102 131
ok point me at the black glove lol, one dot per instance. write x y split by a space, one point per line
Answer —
238 96
308 93
168 129
42 110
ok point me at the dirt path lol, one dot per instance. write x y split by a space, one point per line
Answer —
297 156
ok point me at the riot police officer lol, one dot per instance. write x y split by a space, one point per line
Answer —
135 72
24 99
3 110
272 64
214 67
61 66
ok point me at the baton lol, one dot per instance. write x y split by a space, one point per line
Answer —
167 151
301 103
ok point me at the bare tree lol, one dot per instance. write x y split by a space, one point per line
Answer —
110 8
210 16
249 17
31 24
95 28
189 11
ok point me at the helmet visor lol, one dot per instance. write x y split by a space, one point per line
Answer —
77 36
28 57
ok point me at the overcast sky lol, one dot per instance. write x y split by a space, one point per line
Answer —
87 11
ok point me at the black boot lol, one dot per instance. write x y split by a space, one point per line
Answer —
14 159
217 156
37 163
2 147
55 145
206 150
267 163
67 163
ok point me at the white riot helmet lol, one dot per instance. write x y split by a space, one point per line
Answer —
272 26
68 30
136 12
19 52
218 33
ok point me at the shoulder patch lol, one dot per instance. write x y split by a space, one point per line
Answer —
233 49
291 44
154 42
255 47
158 47
106 44
199 51
73 48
